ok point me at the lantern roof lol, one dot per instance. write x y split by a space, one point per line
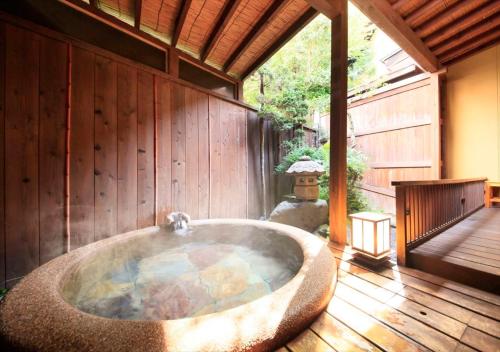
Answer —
306 166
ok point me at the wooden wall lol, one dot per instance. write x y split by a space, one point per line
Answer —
398 129
94 145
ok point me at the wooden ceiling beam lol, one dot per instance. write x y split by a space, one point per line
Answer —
464 23
255 31
179 22
471 46
296 27
470 34
124 27
93 3
388 20
329 8
225 14
137 15
114 22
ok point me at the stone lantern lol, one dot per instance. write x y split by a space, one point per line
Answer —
306 173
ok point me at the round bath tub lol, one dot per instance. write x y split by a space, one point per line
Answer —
224 285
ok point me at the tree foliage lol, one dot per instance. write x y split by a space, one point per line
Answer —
296 80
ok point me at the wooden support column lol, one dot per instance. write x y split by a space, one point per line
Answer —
239 90
401 225
173 63
338 125
436 124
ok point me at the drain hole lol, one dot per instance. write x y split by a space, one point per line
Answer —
423 313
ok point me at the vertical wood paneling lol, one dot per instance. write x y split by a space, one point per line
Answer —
242 159
228 176
2 155
227 170
203 157
82 149
192 153
21 149
216 185
145 150
163 149
53 91
179 117
105 146
254 187
127 147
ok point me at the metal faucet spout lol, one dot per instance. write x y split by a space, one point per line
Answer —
178 220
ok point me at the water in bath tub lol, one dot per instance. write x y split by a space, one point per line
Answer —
172 275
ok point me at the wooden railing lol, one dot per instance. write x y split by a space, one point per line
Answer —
426 208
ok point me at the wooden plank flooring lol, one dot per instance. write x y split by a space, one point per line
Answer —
401 309
468 252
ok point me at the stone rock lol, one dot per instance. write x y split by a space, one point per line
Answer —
307 215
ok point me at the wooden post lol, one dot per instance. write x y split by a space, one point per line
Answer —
401 225
173 63
436 126
338 126
239 90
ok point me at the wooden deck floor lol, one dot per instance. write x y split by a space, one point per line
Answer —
401 309
468 252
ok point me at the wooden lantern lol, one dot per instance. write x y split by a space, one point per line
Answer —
306 173
370 233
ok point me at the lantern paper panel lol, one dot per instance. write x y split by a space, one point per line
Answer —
371 234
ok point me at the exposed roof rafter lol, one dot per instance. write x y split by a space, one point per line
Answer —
485 40
328 8
256 30
389 21
179 22
296 27
224 16
138 11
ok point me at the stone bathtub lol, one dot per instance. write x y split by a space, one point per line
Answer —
227 285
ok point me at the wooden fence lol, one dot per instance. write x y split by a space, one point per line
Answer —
95 145
426 208
277 186
397 127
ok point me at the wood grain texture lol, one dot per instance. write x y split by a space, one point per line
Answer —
2 155
228 179
215 158
145 150
127 147
163 103
191 153
105 148
387 19
405 145
21 150
52 153
82 149
395 308
179 117
338 127
254 187
89 140
203 156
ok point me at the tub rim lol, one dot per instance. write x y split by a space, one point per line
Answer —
297 303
